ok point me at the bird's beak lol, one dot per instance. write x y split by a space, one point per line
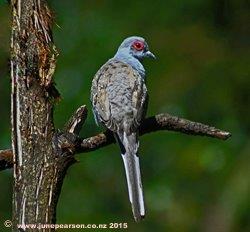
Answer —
150 55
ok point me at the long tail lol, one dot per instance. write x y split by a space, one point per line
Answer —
129 145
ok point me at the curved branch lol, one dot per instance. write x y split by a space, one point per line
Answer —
173 123
151 124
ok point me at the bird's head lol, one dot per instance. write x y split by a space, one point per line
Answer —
135 46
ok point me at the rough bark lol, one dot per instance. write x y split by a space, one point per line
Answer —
36 169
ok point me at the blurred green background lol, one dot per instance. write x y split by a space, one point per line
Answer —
202 73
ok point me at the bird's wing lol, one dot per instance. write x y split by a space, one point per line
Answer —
99 96
139 100
118 91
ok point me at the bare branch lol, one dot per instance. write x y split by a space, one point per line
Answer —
69 141
152 124
64 141
76 121
173 123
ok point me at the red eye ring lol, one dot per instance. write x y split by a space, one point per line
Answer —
138 45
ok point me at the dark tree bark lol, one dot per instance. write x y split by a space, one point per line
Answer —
36 166
41 155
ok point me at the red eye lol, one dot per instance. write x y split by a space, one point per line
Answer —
138 45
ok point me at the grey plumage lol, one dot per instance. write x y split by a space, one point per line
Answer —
119 99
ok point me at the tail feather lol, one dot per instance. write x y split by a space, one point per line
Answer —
133 175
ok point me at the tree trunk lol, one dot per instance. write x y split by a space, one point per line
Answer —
36 165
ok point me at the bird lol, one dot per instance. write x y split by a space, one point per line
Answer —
119 102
